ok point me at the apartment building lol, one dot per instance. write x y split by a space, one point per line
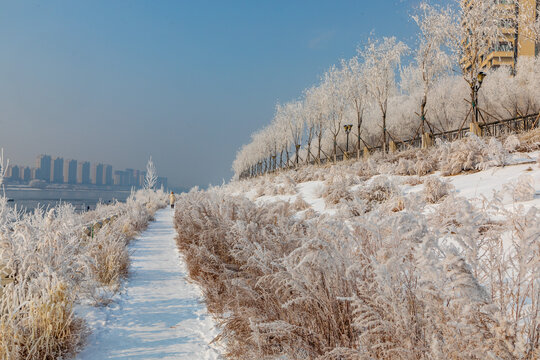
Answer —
516 40
70 171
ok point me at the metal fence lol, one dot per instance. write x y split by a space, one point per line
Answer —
495 128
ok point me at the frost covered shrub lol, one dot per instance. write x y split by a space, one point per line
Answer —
511 143
405 167
53 264
409 284
380 189
470 153
336 191
435 189
238 251
110 255
523 189
423 167
530 140
300 204
413 181
43 325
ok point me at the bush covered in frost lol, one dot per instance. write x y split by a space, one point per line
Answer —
435 189
52 263
470 153
411 284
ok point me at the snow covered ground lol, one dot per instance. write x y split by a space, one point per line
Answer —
158 315
472 185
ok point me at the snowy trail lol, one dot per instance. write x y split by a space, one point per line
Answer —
159 315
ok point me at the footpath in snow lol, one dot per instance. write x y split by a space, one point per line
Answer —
159 315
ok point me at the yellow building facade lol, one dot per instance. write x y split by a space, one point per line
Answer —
517 39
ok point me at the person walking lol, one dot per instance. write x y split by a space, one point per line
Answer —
172 199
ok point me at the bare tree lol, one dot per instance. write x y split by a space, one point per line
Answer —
150 180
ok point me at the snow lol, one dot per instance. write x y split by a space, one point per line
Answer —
485 182
310 191
159 314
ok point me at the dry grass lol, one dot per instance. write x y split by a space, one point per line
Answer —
389 276
529 141
53 265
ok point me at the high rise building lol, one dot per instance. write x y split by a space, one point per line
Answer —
70 171
516 41
130 177
107 175
57 170
12 173
25 174
136 178
43 165
96 174
120 178
83 172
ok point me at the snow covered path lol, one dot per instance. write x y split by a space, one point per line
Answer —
159 315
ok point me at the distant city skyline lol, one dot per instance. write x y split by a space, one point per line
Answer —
57 170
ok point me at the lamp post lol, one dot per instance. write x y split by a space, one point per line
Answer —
480 78
348 129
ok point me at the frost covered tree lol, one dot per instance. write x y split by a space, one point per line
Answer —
355 90
431 58
3 169
381 59
314 107
482 24
150 180
292 112
529 20
335 102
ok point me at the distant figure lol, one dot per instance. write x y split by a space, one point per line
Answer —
172 199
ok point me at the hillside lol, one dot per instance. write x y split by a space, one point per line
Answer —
419 254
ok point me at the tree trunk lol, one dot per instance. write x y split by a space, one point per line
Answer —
319 152
335 148
384 131
359 139
423 113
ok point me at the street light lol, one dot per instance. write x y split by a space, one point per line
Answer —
348 129
480 78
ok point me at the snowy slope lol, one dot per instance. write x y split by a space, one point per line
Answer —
159 315
469 185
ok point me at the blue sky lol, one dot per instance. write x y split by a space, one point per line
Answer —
184 81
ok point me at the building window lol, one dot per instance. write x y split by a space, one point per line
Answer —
503 46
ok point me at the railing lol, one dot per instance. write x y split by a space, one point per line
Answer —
495 128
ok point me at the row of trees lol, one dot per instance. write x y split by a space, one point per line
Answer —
385 99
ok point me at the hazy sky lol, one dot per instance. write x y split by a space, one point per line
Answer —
184 81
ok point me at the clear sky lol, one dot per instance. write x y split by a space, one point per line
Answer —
184 81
